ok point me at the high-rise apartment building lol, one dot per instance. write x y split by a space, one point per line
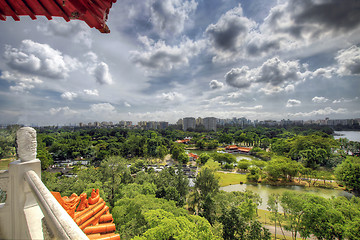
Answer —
163 125
210 123
189 122
153 125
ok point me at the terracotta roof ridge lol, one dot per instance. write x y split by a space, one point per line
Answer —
106 218
94 220
82 212
107 236
101 228
89 213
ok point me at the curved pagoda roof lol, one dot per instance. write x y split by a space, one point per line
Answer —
90 214
93 12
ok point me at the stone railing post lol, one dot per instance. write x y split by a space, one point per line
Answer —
13 221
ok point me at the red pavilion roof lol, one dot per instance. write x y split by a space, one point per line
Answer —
93 12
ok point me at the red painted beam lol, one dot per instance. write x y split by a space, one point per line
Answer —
8 10
93 12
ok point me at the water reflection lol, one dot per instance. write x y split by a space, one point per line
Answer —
265 190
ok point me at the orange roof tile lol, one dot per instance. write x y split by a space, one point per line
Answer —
231 147
193 155
183 141
92 215
244 149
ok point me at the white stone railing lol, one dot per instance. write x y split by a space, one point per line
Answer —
57 219
29 205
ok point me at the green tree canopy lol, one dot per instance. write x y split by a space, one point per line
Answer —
237 226
129 213
282 168
113 169
206 182
223 157
164 225
7 143
348 172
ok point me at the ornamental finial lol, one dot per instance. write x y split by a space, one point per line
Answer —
26 142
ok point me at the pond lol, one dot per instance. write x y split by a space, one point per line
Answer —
266 190
351 135
198 152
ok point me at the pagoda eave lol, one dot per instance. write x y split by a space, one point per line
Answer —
93 12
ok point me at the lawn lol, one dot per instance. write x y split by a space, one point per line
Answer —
263 217
4 163
230 178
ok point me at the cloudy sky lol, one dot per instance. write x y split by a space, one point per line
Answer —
169 59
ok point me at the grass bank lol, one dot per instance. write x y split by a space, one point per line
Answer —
264 218
229 178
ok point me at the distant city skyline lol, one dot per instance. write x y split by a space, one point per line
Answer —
209 123
169 59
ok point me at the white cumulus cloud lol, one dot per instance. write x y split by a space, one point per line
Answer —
23 82
317 99
293 103
102 108
102 74
349 61
62 111
169 16
215 84
21 87
158 56
273 75
257 107
90 92
325 111
345 100
171 96
72 95
69 95
327 72
39 59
